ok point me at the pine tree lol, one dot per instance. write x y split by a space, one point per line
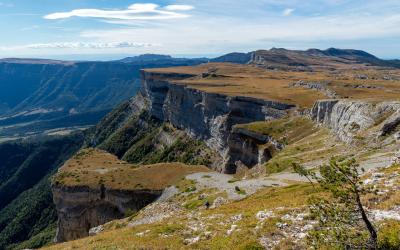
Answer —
343 221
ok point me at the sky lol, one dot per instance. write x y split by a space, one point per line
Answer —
106 28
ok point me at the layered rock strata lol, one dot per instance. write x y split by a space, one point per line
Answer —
248 149
204 116
82 208
346 117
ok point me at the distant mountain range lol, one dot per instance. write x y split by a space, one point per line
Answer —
40 89
310 57
44 89
149 57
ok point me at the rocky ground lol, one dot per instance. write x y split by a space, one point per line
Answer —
221 182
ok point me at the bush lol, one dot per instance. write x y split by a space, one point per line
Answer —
133 216
118 226
389 237
129 213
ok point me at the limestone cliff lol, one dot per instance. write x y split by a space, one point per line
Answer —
247 149
346 118
205 116
81 208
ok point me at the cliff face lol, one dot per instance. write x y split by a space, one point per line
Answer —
205 116
247 149
346 118
82 208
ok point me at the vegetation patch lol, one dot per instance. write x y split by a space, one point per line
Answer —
285 131
96 170
234 180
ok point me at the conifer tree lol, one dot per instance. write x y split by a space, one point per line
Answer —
343 221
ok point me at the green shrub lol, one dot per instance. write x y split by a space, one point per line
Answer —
252 246
133 216
118 226
389 236
169 229
130 212
193 204
190 189
233 180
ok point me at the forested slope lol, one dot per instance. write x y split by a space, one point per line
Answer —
27 208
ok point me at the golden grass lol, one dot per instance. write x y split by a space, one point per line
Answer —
290 129
292 198
246 80
172 232
80 171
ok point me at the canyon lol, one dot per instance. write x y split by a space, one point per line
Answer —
233 123
214 119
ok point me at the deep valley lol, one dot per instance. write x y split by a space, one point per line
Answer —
171 137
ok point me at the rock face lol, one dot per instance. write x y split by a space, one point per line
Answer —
248 149
205 116
347 117
320 86
82 208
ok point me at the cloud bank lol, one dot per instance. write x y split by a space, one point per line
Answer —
135 11
118 45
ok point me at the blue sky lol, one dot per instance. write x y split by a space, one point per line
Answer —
44 28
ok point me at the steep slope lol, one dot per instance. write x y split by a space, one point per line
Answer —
46 90
232 119
26 208
72 122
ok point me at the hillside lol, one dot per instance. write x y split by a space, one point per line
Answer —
41 90
228 134
331 58
247 124
27 211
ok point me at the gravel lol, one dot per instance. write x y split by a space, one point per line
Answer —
166 194
220 181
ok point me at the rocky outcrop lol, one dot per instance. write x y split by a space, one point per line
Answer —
204 116
390 124
346 117
320 86
248 148
82 208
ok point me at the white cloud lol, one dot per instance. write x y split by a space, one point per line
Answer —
117 45
134 12
287 12
179 7
220 35
29 28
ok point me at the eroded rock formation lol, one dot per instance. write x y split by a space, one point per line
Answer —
346 117
205 116
81 208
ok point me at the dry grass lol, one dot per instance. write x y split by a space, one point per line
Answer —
172 232
80 170
287 130
177 227
246 80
